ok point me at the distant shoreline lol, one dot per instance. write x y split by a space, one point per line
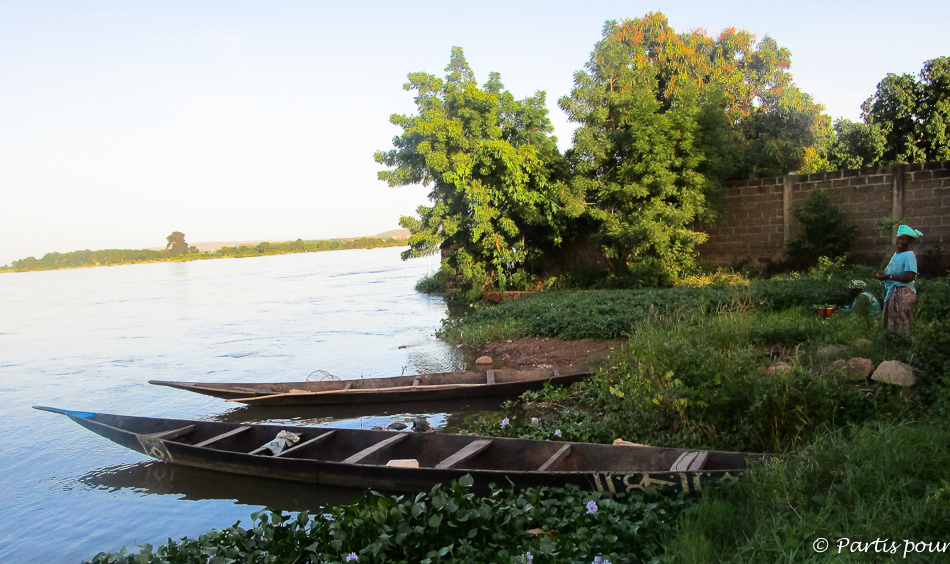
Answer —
116 257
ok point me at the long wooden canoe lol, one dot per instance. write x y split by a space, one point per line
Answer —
420 387
362 459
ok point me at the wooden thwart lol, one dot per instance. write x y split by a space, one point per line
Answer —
230 433
692 461
173 434
470 450
490 376
556 457
312 441
369 451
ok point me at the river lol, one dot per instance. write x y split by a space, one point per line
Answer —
90 339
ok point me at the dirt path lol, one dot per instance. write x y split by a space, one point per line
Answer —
533 352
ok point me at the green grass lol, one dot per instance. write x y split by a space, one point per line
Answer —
879 481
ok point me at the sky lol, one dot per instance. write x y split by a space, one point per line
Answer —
121 122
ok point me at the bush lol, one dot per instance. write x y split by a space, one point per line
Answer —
826 232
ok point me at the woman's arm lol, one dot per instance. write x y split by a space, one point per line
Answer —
905 278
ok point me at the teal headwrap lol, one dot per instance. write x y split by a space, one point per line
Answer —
908 230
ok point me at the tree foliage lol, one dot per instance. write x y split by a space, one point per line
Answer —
493 167
827 234
907 120
176 244
664 118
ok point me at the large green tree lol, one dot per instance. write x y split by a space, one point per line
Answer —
664 118
494 168
907 120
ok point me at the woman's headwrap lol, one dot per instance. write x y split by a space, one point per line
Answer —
858 285
908 230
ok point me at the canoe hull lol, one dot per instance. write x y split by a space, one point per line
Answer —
429 387
608 468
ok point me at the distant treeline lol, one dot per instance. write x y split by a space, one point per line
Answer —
77 259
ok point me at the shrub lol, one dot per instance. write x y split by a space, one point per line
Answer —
826 232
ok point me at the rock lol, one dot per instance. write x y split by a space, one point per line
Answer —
776 367
894 372
397 426
830 350
857 368
420 425
377 428
484 360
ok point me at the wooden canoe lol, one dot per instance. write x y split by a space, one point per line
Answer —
420 387
361 459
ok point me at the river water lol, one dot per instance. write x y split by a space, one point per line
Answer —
90 339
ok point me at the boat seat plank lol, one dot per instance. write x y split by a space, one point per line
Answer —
690 461
470 450
556 457
313 441
491 377
222 436
171 435
416 381
295 447
369 451
347 386
557 373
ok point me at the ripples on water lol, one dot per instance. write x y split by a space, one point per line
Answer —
90 339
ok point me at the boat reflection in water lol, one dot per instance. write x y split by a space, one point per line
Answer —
157 478
447 416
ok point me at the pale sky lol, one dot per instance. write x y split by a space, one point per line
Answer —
121 122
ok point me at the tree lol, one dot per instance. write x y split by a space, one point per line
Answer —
907 120
494 170
176 244
664 118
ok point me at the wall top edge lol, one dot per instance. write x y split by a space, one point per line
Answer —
835 174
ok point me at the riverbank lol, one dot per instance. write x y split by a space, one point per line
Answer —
745 367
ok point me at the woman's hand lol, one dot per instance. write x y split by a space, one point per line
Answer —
880 276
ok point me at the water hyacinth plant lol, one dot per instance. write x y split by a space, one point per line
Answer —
447 525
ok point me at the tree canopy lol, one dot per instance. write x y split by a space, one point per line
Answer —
663 119
176 244
907 120
493 167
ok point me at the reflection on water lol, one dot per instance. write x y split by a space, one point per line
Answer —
90 339
159 478
444 415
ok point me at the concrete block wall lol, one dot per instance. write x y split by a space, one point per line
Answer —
756 215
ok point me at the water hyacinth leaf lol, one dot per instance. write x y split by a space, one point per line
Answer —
435 520
466 481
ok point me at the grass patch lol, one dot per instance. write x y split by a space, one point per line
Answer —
879 481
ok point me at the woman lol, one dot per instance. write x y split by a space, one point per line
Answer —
900 293
864 304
